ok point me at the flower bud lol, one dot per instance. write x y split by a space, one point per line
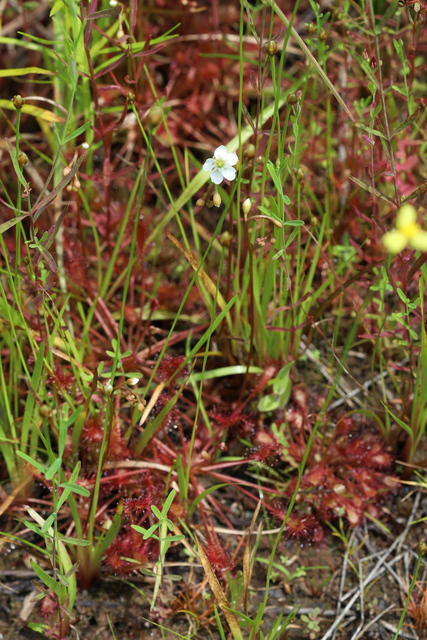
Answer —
85 145
209 204
292 98
310 28
217 199
271 48
18 101
273 240
322 35
200 202
132 381
249 151
246 206
141 405
76 184
130 97
154 116
108 389
45 411
422 548
299 175
22 159
225 239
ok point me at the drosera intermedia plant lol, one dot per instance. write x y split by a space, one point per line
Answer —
162 526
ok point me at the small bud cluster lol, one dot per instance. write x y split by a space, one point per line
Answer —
210 198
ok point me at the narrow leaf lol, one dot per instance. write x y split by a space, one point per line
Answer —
47 580
201 273
219 593
33 462
372 190
75 488
53 469
24 71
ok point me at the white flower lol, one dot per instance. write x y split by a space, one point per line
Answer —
221 165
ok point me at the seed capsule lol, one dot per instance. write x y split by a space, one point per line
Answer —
292 98
271 48
18 101
22 159
249 151
310 28
45 411
154 116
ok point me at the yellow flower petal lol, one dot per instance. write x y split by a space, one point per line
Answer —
406 217
395 241
419 241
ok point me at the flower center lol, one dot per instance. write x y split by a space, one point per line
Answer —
410 230
220 163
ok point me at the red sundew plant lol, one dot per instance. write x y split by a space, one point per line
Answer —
347 474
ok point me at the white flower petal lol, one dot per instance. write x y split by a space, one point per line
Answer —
216 176
209 164
221 152
228 172
231 158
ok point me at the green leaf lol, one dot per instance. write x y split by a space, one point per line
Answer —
48 523
53 469
294 223
268 403
277 182
17 168
75 488
56 7
33 462
402 296
79 542
11 223
47 580
156 512
168 502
